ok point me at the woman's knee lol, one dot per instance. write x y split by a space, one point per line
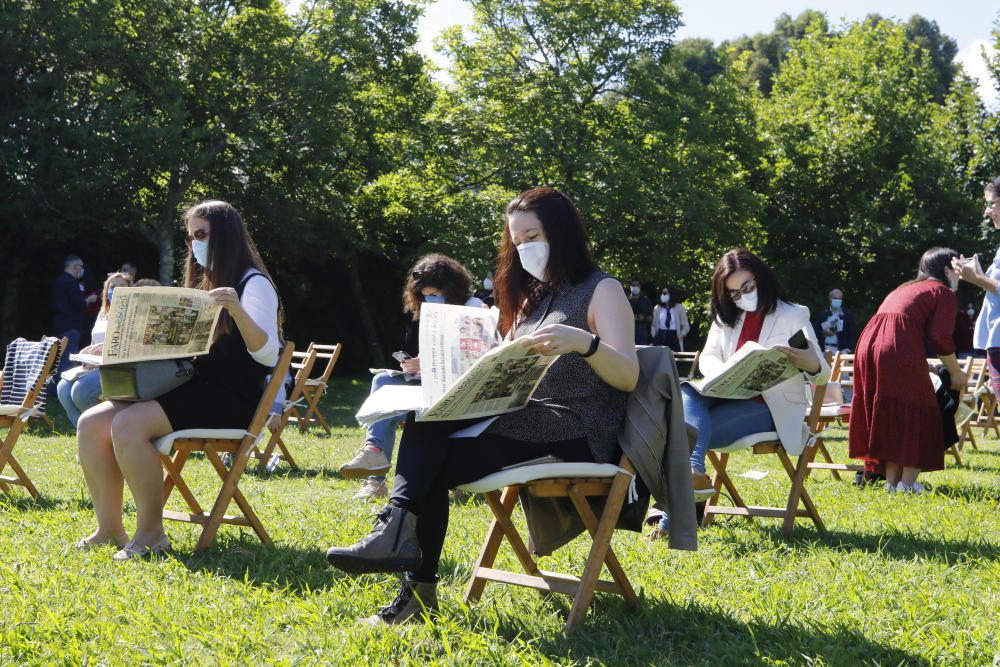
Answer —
93 429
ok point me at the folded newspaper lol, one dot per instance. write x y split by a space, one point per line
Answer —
752 370
147 323
466 372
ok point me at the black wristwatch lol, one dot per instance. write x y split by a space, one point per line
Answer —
594 344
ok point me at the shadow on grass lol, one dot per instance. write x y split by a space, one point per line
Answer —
969 493
323 472
897 545
664 633
20 500
277 566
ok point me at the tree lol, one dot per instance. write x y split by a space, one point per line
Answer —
865 171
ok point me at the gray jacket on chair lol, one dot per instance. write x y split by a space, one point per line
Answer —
657 442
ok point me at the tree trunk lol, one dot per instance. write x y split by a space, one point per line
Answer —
165 229
377 358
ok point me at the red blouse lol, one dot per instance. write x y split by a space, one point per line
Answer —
752 324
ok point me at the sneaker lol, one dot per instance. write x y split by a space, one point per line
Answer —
701 484
656 534
415 598
892 488
366 462
916 487
372 488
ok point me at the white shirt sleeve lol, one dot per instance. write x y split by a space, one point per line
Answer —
261 303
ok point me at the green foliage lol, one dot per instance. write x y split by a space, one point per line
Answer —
862 177
896 580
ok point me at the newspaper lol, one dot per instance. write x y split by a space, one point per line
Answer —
466 371
147 323
750 371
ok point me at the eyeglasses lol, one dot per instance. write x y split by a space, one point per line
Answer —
749 287
199 235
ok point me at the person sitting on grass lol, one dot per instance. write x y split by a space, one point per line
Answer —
554 301
434 278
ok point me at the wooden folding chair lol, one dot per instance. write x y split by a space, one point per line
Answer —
238 443
768 443
842 372
975 387
315 388
576 481
303 363
987 416
15 417
688 358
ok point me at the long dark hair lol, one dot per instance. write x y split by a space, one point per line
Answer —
438 271
515 290
231 253
722 308
932 265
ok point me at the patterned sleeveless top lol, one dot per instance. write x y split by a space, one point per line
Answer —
571 401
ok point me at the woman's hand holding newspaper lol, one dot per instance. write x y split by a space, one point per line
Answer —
558 339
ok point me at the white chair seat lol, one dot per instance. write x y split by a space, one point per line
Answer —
165 444
748 441
524 474
834 411
9 410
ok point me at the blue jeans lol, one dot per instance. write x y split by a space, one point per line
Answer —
79 394
382 433
720 422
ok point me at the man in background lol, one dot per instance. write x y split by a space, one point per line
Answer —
69 304
835 327
642 310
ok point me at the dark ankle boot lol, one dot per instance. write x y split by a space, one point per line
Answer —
391 546
413 600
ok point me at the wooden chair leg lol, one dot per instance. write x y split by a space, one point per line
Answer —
238 496
798 475
722 478
230 480
611 560
821 446
7 458
172 479
598 551
501 525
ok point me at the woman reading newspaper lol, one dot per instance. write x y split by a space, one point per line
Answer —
435 278
116 439
554 301
748 304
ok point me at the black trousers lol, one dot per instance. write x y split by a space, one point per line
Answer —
430 463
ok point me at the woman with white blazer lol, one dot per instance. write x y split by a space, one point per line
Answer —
670 320
748 304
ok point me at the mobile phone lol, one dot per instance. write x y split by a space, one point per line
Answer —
798 340
400 356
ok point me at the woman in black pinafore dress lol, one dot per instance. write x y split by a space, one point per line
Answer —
115 439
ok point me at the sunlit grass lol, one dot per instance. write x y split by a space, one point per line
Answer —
897 579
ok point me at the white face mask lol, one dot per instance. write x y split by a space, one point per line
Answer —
487 283
664 298
972 312
748 302
199 249
953 282
534 258
635 290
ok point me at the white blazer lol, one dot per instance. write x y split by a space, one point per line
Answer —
788 401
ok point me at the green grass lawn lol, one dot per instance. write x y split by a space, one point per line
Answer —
897 579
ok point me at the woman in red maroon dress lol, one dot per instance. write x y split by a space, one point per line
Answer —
895 420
